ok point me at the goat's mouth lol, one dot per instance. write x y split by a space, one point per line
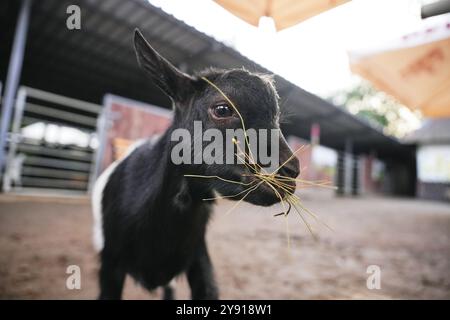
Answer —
279 185
263 190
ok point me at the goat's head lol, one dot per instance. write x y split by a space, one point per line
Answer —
254 101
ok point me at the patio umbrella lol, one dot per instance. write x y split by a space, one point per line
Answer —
285 13
415 68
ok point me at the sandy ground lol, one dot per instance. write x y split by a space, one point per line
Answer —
408 239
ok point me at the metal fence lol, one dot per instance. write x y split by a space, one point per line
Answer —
51 144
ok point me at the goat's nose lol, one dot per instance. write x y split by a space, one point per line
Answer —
291 169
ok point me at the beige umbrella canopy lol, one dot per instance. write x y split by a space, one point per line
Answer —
415 69
285 13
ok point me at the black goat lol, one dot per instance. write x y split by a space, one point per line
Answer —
152 218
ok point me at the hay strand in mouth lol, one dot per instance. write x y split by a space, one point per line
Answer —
242 199
288 233
228 196
289 159
217 177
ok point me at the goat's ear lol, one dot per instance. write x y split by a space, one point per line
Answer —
176 84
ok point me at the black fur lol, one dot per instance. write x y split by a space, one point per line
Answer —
154 218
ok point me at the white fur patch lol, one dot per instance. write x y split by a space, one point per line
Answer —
97 194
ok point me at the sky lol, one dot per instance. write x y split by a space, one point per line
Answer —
312 54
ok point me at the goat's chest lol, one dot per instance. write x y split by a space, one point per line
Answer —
167 246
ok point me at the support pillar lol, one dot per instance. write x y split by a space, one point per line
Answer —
13 77
355 176
340 174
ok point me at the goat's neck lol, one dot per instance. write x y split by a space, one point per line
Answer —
173 187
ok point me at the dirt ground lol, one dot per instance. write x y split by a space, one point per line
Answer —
408 239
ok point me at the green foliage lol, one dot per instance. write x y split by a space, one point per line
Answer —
378 108
373 116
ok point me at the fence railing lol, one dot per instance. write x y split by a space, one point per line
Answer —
44 145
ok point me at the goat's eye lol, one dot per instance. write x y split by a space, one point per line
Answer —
222 111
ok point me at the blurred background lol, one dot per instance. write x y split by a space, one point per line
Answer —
364 84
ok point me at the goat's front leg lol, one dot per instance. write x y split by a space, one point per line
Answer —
112 278
201 276
169 291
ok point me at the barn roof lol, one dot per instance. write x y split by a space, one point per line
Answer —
99 59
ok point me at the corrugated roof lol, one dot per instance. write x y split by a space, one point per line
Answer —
99 59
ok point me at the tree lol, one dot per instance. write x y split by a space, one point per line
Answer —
378 108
